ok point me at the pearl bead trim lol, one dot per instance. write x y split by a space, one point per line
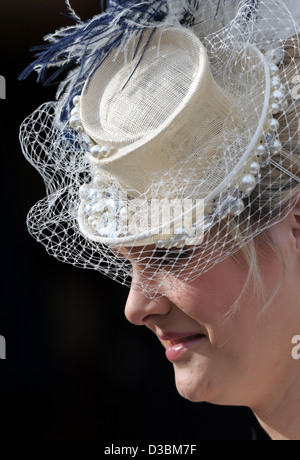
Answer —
232 202
111 220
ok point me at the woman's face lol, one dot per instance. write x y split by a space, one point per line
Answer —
222 358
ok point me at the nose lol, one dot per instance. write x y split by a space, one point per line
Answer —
140 310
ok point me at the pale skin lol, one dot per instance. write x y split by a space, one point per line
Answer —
245 359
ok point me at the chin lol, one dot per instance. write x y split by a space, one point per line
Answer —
195 388
203 386
203 383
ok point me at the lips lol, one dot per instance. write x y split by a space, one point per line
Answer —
180 345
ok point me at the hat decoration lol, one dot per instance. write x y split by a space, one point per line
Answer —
88 43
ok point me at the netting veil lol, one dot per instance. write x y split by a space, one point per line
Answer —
173 142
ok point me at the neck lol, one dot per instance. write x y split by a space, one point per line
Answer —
281 420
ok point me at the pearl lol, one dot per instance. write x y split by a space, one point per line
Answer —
275 147
274 125
237 208
254 168
105 151
261 150
75 122
83 191
76 101
96 152
278 96
248 184
75 112
276 83
274 69
275 108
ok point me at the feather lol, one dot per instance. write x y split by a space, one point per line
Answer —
88 43
85 45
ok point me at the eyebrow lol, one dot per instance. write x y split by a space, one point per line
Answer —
171 254
156 255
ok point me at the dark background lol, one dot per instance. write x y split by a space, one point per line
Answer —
75 368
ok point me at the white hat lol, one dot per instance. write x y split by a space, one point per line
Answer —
175 103
168 117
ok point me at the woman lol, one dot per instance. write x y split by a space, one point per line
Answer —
245 360
179 169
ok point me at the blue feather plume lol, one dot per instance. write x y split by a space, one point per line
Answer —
84 46
88 43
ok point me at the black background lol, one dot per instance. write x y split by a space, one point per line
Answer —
75 368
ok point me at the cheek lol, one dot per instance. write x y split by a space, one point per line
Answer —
215 292
248 352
